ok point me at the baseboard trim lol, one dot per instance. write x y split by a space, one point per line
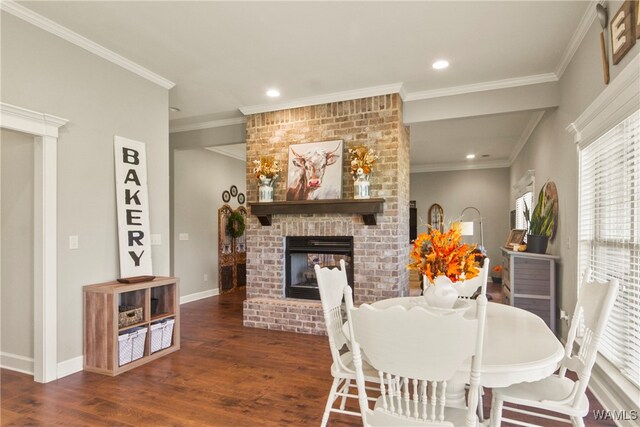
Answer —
14 362
199 295
70 366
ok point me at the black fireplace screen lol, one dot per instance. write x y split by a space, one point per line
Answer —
304 252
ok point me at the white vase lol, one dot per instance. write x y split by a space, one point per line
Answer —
441 293
361 185
265 190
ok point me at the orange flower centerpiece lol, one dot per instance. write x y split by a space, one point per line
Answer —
443 259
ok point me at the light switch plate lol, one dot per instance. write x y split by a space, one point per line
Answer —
183 236
73 242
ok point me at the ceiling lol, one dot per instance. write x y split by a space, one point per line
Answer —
223 56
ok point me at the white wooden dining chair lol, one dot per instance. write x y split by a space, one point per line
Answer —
416 353
331 284
558 393
467 288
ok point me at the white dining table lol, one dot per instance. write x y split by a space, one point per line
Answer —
518 346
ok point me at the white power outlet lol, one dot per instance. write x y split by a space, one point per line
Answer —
206 277
73 242
564 316
183 236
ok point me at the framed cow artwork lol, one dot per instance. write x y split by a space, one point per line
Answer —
315 171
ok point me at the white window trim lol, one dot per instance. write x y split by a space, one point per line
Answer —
616 102
525 184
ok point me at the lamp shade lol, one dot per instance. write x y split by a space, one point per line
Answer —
466 228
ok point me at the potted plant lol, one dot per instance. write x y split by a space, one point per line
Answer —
540 224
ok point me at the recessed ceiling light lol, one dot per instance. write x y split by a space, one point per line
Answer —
471 156
440 64
273 93
174 109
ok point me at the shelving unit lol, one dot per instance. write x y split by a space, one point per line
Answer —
101 329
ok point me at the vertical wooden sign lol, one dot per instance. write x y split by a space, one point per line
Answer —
133 208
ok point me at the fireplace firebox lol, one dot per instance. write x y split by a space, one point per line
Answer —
302 253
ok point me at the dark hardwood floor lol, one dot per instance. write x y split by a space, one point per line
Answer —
224 375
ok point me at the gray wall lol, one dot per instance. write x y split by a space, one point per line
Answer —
200 177
16 297
45 73
486 189
552 153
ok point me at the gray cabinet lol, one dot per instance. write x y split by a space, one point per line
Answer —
529 282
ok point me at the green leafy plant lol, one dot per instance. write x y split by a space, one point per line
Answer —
540 222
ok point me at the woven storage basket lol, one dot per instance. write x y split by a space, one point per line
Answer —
131 345
161 335
128 315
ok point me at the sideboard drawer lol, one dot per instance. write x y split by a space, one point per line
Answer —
539 307
506 292
529 283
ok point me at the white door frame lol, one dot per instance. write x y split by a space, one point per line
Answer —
44 127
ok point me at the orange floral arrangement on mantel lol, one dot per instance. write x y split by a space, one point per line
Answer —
267 167
439 253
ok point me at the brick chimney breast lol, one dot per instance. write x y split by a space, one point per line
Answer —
380 253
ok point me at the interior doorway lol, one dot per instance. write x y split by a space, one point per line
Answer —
16 248
43 128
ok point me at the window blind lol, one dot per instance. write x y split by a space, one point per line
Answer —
609 234
521 223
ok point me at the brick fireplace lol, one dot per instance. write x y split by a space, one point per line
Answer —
380 252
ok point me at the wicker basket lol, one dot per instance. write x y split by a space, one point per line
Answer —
131 345
129 315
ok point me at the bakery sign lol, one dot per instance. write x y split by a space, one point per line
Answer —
132 203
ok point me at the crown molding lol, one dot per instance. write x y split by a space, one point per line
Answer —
23 120
207 125
224 152
48 25
615 103
459 166
579 34
325 99
526 134
482 87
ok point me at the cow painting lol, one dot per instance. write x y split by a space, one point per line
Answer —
315 171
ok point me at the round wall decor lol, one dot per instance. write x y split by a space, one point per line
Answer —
226 196
234 191
241 198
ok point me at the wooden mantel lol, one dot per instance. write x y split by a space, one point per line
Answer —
368 208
